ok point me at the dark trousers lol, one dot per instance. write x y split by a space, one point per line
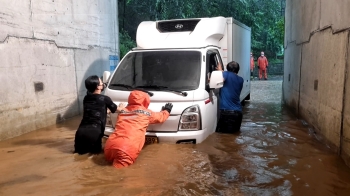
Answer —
88 139
230 121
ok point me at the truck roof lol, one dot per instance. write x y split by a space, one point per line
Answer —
181 33
189 48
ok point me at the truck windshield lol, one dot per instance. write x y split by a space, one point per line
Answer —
175 70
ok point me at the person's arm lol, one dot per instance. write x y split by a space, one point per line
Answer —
219 68
160 117
121 106
109 103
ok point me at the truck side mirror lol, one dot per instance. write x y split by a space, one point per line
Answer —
105 77
216 80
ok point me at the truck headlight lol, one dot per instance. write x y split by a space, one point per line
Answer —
190 119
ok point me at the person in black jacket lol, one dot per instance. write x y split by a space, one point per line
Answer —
88 137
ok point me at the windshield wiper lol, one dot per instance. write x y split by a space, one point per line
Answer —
133 88
163 88
123 85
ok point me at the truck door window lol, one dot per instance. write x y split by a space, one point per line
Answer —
212 60
218 59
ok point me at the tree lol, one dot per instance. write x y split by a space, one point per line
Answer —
126 43
263 16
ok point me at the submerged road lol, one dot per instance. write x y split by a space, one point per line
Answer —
274 154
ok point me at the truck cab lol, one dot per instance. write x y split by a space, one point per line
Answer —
174 61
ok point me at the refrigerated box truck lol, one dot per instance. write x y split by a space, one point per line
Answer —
173 61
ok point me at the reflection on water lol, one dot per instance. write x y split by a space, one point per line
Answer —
274 154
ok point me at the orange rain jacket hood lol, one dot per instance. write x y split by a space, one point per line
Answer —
125 143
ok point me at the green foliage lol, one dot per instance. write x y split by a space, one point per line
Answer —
275 61
126 43
280 30
263 16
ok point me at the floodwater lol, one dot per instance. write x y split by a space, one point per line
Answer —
274 154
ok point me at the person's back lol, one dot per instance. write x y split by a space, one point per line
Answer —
230 105
230 92
95 109
125 143
130 130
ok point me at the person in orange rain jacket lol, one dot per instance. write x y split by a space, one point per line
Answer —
262 65
125 143
251 66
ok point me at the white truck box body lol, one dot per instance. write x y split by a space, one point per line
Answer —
235 46
218 36
207 32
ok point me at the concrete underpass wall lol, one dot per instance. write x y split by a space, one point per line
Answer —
47 49
316 82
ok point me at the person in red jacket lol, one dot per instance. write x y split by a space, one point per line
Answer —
262 65
125 143
251 66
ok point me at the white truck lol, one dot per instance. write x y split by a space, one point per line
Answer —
173 61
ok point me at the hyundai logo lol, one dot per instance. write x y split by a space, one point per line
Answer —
178 26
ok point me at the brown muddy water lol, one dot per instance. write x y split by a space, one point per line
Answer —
274 154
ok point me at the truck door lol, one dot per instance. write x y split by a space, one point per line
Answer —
212 113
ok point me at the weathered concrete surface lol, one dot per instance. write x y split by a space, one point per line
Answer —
25 63
95 61
73 24
47 49
345 132
288 23
322 82
335 14
317 31
304 15
291 76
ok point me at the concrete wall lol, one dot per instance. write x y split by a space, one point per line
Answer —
316 84
47 49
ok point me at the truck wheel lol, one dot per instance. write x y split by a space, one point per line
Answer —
247 97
